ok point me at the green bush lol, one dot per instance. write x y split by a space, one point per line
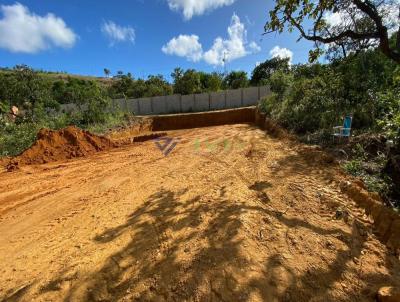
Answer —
302 104
309 98
354 167
14 139
117 119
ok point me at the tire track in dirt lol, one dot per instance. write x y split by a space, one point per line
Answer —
256 223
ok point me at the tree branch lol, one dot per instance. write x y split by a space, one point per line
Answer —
382 31
371 28
398 36
345 34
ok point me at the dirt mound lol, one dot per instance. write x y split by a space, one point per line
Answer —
59 145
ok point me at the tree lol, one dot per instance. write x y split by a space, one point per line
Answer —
120 73
364 23
30 90
263 72
107 72
211 81
187 82
96 101
236 79
122 85
177 75
157 86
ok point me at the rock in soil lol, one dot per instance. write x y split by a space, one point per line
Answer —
389 294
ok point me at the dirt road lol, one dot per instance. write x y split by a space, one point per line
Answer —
229 214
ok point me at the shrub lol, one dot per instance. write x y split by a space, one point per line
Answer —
16 138
354 167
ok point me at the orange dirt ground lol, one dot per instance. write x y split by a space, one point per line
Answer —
231 214
64 144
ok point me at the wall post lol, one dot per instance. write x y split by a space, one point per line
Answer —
125 105
225 91
138 106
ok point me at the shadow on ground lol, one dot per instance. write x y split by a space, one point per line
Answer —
193 251
199 250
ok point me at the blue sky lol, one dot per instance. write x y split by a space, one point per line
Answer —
140 36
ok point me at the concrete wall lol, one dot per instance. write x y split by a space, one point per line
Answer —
217 100
133 106
234 98
145 106
251 96
159 105
173 103
202 102
187 103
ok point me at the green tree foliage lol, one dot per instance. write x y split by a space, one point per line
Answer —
262 73
95 105
107 72
125 86
157 85
91 98
311 97
363 24
24 88
235 80
192 81
186 82
38 97
211 81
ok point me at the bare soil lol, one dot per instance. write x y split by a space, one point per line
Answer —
230 214
71 142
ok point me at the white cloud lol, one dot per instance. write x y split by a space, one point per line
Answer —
192 8
24 31
232 48
229 49
185 46
282 53
254 47
116 33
